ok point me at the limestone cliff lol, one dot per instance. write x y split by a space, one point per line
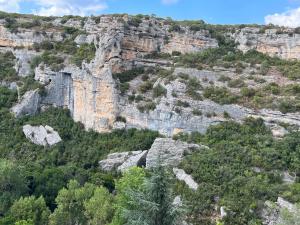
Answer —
122 43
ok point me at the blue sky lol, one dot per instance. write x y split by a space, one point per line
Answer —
282 12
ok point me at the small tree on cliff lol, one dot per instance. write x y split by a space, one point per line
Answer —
154 206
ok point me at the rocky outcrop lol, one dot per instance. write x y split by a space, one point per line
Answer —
165 151
271 42
187 179
122 161
134 160
277 213
26 37
169 152
41 135
92 95
29 104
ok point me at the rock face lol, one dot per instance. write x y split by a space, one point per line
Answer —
286 46
169 152
93 96
40 135
273 212
188 179
123 161
29 104
164 150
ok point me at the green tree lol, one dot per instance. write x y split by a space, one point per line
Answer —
132 180
154 205
13 184
70 204
30 209
82 205
24 222
99 209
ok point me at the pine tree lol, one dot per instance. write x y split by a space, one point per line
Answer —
154 206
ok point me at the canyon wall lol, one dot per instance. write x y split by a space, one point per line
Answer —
92 95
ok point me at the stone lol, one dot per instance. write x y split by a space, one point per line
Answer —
28 105
177 201
187 179
223 212
282 45
169 152
134 160
40 135
288 178
119 125
122 161
272 212
279 132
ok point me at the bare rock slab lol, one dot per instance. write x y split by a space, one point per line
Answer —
40 135
169 152
29 104
122 161
186 178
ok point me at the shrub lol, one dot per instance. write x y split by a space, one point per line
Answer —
184 104
248 92
159 91
7 63
220 95
135 21
237 83
146 86
146 107
128 75
193 86
84 52
224 78
124 87
197 112
174 28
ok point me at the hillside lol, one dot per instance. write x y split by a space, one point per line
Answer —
219 105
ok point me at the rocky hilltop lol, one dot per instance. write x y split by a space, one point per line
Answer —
120 71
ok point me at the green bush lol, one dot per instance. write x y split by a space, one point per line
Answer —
237 83
220 95
182 104
128 75
146 86
146 107
7 70
84 52
159 91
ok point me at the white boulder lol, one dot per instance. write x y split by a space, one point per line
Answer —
188 179
40 135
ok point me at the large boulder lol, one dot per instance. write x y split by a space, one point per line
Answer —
169 152
40 135
188 179
29 104
122 161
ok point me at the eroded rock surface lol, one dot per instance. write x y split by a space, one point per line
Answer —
122 161
169 152
188 179
279 212
29 104
41 135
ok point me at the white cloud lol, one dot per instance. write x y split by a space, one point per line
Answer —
66 8
169 2
290 18
10 5
56 7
